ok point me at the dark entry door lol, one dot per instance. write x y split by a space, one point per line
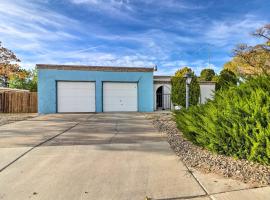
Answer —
159 97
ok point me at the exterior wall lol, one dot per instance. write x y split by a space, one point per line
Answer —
207 92
166 90
47 86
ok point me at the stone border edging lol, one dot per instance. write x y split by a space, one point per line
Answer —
197 157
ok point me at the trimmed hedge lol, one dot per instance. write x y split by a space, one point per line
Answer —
235 123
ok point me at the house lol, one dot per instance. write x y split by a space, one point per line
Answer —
73 88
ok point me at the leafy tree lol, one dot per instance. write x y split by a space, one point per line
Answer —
26 80
252 60
238 67
183 71
207 75
179 88
8 65
226 79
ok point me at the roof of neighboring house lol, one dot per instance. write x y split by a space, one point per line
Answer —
4 89
95 68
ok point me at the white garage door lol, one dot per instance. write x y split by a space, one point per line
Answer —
120 97
75 96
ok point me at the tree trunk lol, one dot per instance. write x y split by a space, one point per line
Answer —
5 81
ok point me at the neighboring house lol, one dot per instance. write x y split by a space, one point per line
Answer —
70 88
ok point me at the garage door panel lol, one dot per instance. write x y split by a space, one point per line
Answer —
120 97
75 96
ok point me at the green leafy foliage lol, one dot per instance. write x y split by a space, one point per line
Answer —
207 75
235 123
178 93
28 81
226 79
181 72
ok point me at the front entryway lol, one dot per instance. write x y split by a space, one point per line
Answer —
163 98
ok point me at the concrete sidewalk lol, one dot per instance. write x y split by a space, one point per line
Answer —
102 156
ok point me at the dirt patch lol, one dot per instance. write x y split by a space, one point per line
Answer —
6 118
205 160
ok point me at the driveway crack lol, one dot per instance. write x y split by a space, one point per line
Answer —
40 144
116 131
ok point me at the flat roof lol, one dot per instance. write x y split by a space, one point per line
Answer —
94 68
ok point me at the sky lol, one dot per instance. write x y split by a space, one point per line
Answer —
135 33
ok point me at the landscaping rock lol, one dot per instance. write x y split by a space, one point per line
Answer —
206 161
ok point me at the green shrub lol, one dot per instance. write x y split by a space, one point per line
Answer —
207 75
226 79
179 88
235 123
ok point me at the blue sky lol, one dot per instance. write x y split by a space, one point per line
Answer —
168 33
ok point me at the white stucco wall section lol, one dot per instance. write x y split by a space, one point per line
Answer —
207 91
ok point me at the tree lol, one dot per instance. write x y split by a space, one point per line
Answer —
181 72
179 88
264 32
8 65
226 79
27 82
207 75
252 60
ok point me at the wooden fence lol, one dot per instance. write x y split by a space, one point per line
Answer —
18 102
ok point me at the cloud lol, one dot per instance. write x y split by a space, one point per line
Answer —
127 10
170 33
227 32
176 5
26 26
120 9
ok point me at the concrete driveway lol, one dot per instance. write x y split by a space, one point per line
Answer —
101 156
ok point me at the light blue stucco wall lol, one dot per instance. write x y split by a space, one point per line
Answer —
47 86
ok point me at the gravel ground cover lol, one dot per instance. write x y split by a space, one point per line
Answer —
206 161
6 118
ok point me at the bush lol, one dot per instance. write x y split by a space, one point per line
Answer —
179 91
207 75
235 123
226 79
179 88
